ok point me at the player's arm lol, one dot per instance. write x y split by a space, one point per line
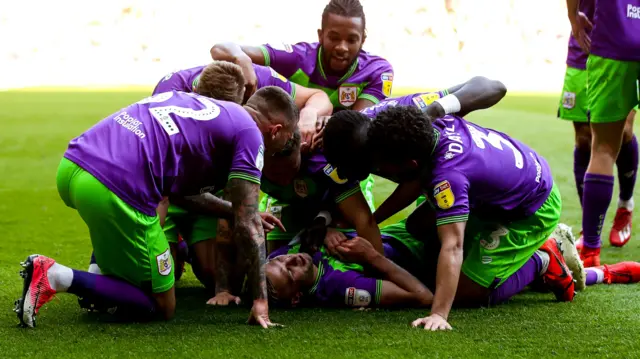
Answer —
240 55
313 104
206 204
378 88
398 287
476 94
224 250
355 210
404 194
449 266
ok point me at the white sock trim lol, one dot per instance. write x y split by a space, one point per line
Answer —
626 204
599 274
544 257
60 277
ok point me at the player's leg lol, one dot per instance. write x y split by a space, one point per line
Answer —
612 94
627 164
202 246
506 259
573 107
623 273
178 221
124 241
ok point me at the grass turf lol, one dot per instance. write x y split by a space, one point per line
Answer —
35 128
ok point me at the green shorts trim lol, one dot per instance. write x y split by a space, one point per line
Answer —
127 243
612 88
193 228
574 101
496 251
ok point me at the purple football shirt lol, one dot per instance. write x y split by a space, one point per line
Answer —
171 143
577 58
616 30
484 172
369 77
186 80
420 100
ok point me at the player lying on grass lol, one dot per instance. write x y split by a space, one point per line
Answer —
353 78
363 278
311 102
502 188
573 107
117 172
302 186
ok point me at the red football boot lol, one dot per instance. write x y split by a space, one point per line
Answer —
623 272
621 231
36 290
558 277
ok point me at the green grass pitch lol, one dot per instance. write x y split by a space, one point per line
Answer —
35 128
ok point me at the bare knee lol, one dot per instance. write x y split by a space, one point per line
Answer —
627 135
583 136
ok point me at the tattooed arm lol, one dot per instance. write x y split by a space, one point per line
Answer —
205 203
249 238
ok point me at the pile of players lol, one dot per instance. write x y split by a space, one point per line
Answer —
176 177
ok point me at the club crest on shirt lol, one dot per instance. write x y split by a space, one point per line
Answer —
387 83
444 195
281 46
260 158
300 187
275 74
333 174
425 100
348 95
569 100
164 262
357 297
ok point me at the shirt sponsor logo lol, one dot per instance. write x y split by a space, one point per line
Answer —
633 12
348 95
387 83
300 187
357 297
538 167
164 263
444 195
260 158
333 174
130 123
275 74
569 100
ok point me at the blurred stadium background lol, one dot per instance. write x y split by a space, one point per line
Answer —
431 43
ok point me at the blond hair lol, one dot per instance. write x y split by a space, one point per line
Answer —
222 80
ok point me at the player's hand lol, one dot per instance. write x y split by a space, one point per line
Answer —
580 24
162 210
316 141
269 222
435 111
260 314
357 250
250 80
307 127
433 322
333 239
223 299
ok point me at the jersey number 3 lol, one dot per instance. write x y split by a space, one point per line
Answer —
161 114
497 141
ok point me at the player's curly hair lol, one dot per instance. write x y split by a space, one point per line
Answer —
222 80
345 144
346 8
401 133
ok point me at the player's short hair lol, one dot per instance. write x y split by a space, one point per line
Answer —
346 8
222 80
274 100
345 144
272 297
401 133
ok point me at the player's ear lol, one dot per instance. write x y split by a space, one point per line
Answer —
274 129
320 36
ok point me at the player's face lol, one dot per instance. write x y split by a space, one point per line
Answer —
289 273
282 170
341 39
